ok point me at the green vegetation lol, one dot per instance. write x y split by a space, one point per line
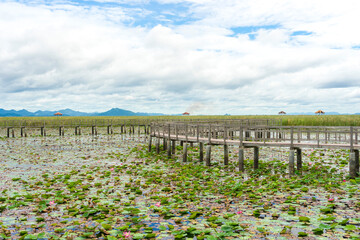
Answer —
109 188
287 120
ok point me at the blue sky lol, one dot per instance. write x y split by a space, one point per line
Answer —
171 56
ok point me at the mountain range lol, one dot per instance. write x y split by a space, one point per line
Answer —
70 112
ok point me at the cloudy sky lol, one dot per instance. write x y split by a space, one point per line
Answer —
171 56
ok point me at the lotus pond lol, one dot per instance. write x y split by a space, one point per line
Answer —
111 187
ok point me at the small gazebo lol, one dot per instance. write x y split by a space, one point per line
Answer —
319 112
282 113
58 114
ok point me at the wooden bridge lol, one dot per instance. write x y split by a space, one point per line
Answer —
21 128
254 136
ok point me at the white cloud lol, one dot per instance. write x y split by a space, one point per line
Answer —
93 57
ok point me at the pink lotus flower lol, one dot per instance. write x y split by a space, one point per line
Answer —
112 169
239 212
52 202
344 180
309 163
331 199
158 204
127 235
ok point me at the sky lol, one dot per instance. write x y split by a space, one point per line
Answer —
169 56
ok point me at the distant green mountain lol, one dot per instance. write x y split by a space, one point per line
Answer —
70 112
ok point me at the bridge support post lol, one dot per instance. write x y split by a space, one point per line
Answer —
291 162
226 154
164 144
185 152
8 132
357 162
299 160
241 159
22 131
182 143
256 158
352 164
173 145
208 155
150 142
157 144
201 152
59 131
169 148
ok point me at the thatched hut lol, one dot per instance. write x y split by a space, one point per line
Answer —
319 112
282 113
58 114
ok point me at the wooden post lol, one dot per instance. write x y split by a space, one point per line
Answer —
351 139
173 145
169 148
197 133
241 159
256 158
42 131
22 131
150 143
352 165
201 152
164 144
13 132
185 153
299 159
8 132
208 155
226 154
157 144
291 162
59 131
357 162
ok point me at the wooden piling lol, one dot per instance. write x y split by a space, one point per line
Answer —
226 154
357 162
241 159
173 145
201 151
157 145
169 148
352 164
185 152
256 158
299 159
208 155
291 162
164 144
150 143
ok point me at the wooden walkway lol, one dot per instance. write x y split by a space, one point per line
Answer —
21 128
244 136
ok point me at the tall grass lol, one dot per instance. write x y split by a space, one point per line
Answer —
287 120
